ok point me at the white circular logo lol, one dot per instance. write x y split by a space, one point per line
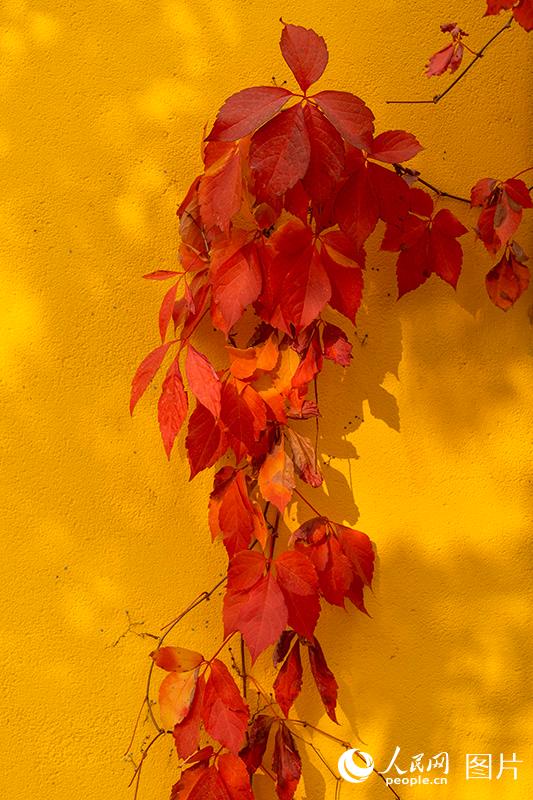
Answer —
351 771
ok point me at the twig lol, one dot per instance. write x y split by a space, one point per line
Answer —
170 627
306 501
243 668
344 744
406 171
477 56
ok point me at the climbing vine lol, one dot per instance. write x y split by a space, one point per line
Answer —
273 236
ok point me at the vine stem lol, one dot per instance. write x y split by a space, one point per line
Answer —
477 56
307 502
440 192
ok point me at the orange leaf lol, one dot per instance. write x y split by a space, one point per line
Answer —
176 659
176 694
276 477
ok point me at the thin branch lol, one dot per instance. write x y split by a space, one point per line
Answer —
306 501
243 670
400 170
344 744
477 56
170 627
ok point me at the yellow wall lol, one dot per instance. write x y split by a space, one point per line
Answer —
104 105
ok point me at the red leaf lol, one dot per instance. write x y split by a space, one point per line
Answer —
288 683
245 111
426 245
503 204
209 787
220 191
172 406
225 713
305 53
336 345
279 154
235 777
187 733
203 380
395 146
166 309
236 283
188 780
324 679
176 694
256 609
523 11
286 764
299 583
253 753
146 372
161 275
230 510
276 477
352 118
357 547
205 441
346 284
296 280
507 281
449 58
327 156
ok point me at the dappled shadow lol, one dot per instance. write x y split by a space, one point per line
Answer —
104 110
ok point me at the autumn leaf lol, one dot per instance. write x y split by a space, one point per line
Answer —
349 115
176 659
247 110
203 380
451 56
205 440
296 280
508 280
187 733
502 204
286 764
395 146
176 694
231 513
235 778
225 713
235 284
298 581
146 372
188 780
253 604
288 683
304 458
324 679
166 309
522 11
326 161
279 154
252 754
336 345
276 477
220 191
172 406
305 52
426 245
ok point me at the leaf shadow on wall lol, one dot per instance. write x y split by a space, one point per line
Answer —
445 669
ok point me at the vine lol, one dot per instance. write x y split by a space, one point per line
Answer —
273 236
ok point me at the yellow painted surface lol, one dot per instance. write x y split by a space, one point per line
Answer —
103 106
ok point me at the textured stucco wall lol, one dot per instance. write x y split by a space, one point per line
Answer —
104 103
